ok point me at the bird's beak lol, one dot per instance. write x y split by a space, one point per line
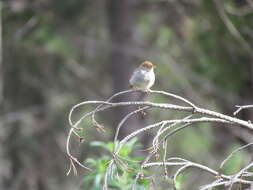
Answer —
154 66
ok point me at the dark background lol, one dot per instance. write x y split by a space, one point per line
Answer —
56 53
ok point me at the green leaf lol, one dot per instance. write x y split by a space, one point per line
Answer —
178 182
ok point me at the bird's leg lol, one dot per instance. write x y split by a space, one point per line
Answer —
142 98
134 88
147 91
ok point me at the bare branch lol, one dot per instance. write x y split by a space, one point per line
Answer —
165 122
234 152
124 120
72 158
189 164
179 171
173 96
204 168
240 108
193 109
216 183
164 131
108 100
235 178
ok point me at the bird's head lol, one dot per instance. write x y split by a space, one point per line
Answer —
147 65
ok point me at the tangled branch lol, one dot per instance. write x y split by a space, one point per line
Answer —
165 129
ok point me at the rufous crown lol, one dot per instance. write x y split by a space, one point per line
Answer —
148 64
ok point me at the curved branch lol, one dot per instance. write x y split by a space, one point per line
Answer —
165 122
202 167
234 152
190 107
169 106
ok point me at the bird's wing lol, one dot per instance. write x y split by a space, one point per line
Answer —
133 77
152 80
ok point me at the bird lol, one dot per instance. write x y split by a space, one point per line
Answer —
143 77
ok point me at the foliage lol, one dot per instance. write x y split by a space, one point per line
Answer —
124 175
57 53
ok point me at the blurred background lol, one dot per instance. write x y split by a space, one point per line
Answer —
57 53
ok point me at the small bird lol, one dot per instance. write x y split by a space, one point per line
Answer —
143 78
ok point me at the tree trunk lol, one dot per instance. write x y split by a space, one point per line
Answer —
121 15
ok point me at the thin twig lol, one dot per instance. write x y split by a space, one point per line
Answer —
140 173
173 96
235 178
187 121
234 152
123 121
72 158
156 140
240 108
202 167
216 183
108 100
179 171
168 106
204 115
